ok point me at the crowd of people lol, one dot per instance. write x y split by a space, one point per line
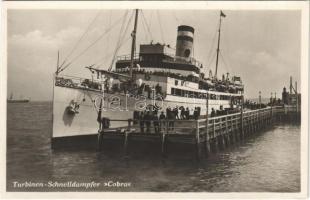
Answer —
147 118
160 120
253 105
221 111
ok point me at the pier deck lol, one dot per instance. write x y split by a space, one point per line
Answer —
210 133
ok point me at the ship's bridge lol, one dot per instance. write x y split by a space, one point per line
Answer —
159 57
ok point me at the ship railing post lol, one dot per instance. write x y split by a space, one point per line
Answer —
214 139
197 140
241 122
227 133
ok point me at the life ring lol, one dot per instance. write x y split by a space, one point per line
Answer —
70 110
73 108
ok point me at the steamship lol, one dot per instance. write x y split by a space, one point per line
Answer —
158 77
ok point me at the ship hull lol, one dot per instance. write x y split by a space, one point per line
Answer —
84 122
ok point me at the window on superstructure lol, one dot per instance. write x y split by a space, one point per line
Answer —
178 92
172 91
176 82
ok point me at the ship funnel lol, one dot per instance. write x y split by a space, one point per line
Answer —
185 41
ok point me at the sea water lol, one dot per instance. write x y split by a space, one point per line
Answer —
266 162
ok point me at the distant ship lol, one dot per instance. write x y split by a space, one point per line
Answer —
152 78
21 100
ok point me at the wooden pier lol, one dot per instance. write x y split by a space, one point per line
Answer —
206 135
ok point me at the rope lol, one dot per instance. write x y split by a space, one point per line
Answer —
147 25
226 65
209 64
101 63
109 24
212 45
82 36
146 33
119 42
176 18
92 44
161 28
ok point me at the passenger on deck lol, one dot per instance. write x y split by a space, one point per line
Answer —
183 113
155 122
158 89
187 113
212 112
148 119
136 116
176 112
221 110
171 118
196 113
149 91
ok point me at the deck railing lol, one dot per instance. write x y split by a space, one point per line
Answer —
77 82
174 58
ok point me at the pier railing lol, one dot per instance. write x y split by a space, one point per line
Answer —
181 126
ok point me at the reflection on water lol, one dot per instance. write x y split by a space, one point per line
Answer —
268 162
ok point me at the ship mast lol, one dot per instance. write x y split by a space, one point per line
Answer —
218 44
133 44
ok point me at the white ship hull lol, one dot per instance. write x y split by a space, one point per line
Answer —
85 122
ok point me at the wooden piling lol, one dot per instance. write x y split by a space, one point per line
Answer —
271 115
226 131
126 143
163 144
126 135
197 140
100 140
242 125
207 141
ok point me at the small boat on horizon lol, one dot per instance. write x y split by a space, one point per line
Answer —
20 100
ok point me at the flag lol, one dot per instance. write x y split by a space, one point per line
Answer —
222 14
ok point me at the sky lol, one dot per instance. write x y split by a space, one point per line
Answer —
263 47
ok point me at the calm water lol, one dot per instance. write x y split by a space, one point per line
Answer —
268 162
